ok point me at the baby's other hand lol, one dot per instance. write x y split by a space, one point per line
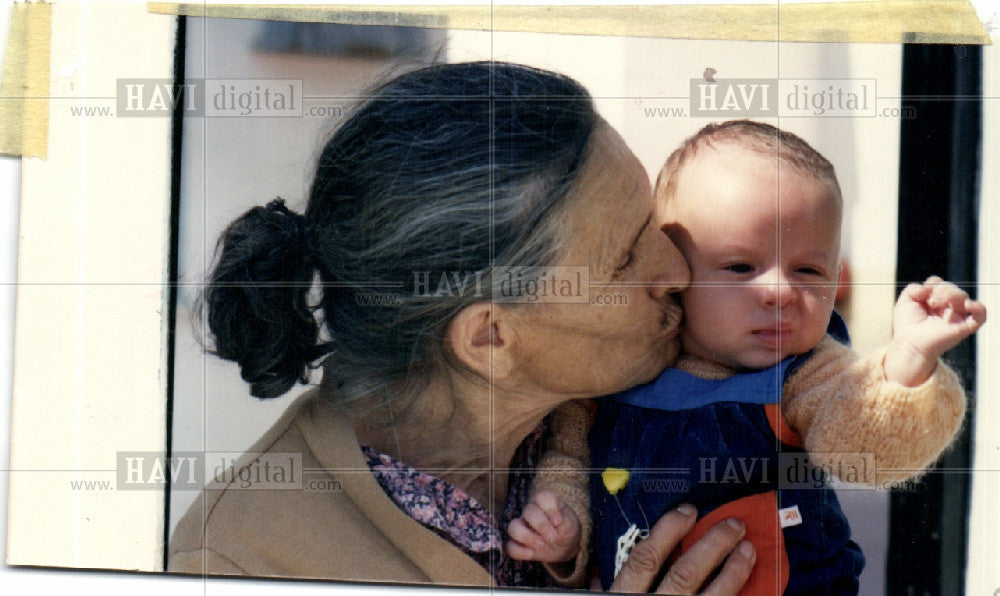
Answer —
928 320
547 531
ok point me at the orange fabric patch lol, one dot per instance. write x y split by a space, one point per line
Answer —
785 433
759 513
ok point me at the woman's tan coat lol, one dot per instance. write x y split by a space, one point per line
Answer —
352 532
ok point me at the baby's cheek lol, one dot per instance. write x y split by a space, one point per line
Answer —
690 296
689 337
819 322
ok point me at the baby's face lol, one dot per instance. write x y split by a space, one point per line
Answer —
762 240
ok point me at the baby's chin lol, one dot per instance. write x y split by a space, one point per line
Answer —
759 361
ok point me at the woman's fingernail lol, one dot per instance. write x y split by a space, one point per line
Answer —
735 524
746 549
686 509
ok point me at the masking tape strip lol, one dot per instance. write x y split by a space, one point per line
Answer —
24 88
883 21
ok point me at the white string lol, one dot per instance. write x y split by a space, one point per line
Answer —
625 543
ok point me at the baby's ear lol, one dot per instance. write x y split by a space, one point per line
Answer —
843 280
480 337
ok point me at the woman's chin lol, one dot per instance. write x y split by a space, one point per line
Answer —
673 350
667 353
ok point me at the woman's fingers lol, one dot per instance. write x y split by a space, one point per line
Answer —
691 569
735 572
648 556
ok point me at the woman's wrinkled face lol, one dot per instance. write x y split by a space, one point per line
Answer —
622 328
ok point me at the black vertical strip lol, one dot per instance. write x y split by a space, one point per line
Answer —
938 220
176 131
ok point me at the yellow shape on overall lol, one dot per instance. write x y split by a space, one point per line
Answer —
614 479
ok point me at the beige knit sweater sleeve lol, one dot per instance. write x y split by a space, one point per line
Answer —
564 469
847 412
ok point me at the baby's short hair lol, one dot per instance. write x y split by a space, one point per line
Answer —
759 137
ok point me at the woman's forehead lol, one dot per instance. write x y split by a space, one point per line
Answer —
613 197
609 165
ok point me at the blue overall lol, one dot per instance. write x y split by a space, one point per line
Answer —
708 443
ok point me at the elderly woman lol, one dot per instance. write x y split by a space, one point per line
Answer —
445 184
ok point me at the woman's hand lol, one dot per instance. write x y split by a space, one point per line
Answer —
721 543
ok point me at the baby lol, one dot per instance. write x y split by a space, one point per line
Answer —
765 397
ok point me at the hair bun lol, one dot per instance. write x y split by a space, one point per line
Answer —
286 217
256 299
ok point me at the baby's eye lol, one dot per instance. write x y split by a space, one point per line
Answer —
739 268
810 271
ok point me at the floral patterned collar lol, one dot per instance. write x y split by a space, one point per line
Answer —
459 518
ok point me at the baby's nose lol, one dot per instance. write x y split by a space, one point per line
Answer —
775 290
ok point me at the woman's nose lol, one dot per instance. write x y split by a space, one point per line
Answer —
775 290
672 272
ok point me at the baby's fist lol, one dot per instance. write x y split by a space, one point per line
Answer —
928 320
547 531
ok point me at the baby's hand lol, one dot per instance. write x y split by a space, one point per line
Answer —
928 320
547 531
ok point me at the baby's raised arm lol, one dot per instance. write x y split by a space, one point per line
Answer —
902 404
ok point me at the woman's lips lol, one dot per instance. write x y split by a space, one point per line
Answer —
670 334
671 321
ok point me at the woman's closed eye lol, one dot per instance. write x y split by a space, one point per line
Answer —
627 260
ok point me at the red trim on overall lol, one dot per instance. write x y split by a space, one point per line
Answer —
785 433
759 513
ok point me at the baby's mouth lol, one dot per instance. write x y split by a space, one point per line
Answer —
774 336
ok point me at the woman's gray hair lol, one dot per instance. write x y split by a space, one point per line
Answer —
441 178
